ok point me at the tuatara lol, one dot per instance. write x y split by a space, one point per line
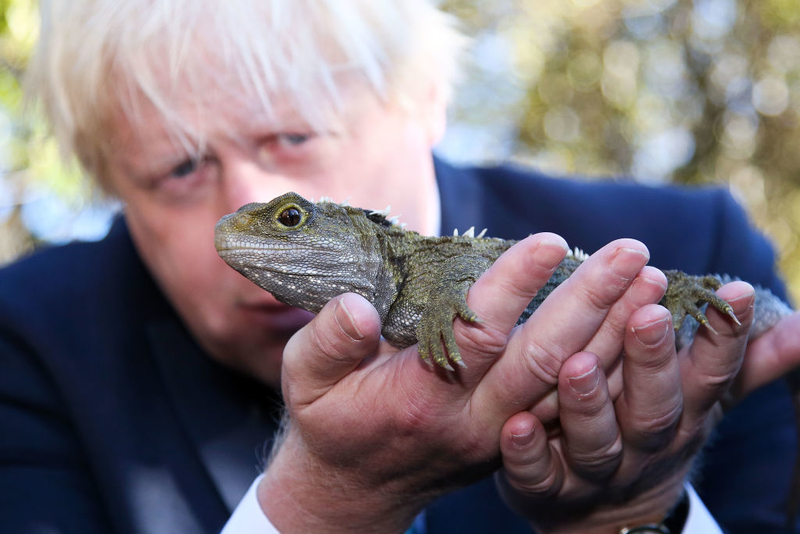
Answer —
306 253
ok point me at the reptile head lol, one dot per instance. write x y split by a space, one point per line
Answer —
277 219
301 252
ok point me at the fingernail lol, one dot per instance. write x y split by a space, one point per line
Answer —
585 383
345 321
662 286
627 262
652 333
750 295
549 253
524 439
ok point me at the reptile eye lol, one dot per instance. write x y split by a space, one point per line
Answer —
290 217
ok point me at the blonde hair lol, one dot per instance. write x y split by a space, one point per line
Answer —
96 57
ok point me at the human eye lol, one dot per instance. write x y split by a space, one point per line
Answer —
183 180
290 148
185 168
288 140
291 145
296 151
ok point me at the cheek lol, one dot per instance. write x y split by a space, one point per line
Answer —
178 248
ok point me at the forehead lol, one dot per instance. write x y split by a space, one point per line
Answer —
207 90
194 112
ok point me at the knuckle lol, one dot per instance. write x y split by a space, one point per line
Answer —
613 327
649 287
692 438
655 361
603 289
716 383
481 340
599 461
326 340
656 426
591 405
653 432
543 482
542 360
599 297
520 289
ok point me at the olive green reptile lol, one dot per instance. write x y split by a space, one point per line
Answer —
306 253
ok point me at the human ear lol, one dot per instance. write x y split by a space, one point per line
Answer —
432 110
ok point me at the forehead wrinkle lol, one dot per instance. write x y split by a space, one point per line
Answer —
206 111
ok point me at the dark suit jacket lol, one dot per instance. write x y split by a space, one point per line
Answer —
113 419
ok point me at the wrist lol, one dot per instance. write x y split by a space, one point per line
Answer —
299 493
672 523
649 508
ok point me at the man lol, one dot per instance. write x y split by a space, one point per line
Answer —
140 372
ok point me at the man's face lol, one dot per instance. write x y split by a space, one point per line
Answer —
380 156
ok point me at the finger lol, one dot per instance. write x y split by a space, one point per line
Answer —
501 294
563 325
770 356
592 440
507 287
714 359
345 331
530 467
571 316
647 288
652 401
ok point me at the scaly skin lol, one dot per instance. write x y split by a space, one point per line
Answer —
305 254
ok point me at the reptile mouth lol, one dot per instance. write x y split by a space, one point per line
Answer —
228 244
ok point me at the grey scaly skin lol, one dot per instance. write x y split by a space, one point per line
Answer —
305 254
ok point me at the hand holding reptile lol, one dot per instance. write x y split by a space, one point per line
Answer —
376 436
411 421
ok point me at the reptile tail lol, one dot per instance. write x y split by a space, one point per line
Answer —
793 504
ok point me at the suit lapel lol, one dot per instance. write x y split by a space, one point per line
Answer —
229 419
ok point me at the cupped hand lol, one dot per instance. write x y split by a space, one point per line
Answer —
621 461
375 435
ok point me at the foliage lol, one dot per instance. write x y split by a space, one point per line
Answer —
41 196
15 41
693 92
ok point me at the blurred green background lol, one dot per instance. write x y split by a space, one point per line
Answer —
660 91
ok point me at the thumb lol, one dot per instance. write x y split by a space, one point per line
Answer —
771 355
327 349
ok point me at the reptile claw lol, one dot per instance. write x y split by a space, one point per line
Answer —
685 293
711 328
446 301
